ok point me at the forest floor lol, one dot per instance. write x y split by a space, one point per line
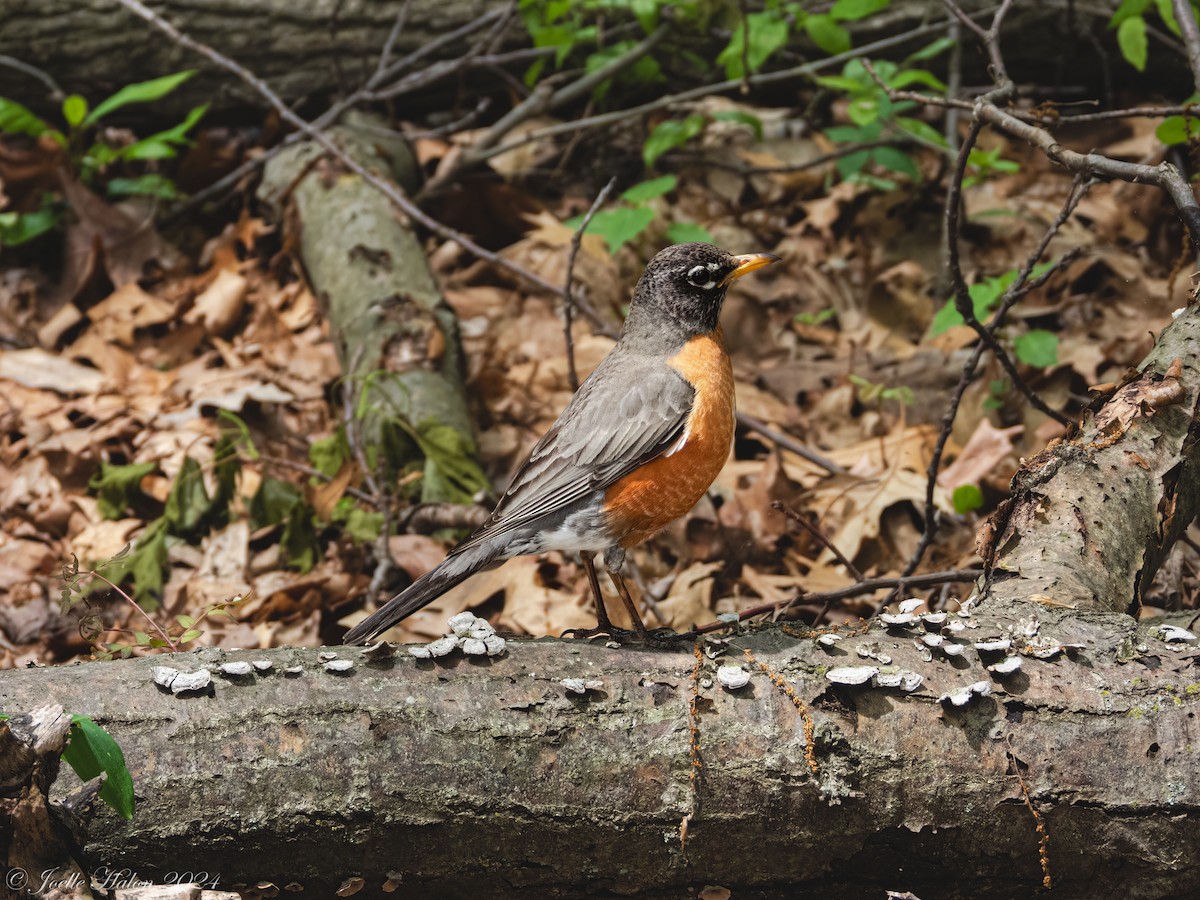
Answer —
212 337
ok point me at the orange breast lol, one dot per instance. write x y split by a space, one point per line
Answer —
650 498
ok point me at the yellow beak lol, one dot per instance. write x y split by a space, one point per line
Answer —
747 263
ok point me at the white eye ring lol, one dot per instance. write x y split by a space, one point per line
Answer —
701 272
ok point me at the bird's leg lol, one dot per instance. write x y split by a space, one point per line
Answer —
630 606
603 625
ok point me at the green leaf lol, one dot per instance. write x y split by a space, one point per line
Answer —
921 130
185 621
863 110
620 226
1127 10
142 92
328 455
917 76
827 34
768 32
1131 37
668 135
16 119
117 486
648 190
1166 12
273 502
74 109
683 232
151 184
1037 348
853 10
190 635
1177 129
945 319
852 163
967 498
299 540
363 525
929 51
534 72
451 473
743 118
145 565
646 13
897 161
91 751
21 228
843 83
188 503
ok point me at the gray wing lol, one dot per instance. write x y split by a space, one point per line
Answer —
630 410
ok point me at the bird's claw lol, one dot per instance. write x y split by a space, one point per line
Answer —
622 635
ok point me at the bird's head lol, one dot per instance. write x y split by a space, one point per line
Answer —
685 284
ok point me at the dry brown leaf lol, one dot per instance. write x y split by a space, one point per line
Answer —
220 305
689 601
325 496
983 453
38 369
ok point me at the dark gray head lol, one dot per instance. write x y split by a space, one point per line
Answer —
683 287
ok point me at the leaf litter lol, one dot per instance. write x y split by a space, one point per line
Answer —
171 361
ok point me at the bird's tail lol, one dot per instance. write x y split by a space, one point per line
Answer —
454 570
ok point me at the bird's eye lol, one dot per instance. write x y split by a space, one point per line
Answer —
701 277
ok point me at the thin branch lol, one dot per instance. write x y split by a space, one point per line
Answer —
811 527
1191 37
385 55
868 586
368 92
55 92
568 296
389 189
787 442
815 162
663 102
543 99
1164 176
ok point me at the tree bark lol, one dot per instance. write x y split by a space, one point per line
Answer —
489 778
299 47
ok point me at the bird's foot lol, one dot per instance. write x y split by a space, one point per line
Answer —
612 632
623 635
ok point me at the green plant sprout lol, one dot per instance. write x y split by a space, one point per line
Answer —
90 154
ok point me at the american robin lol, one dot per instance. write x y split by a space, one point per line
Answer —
636 448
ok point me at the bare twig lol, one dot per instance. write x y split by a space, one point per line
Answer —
815 162
811 527
1191 37
990 38
543 99
389 189
868 586
1164 176
368 92
384 564
55 92
953 82
568 296
389 45
663 102
787 442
